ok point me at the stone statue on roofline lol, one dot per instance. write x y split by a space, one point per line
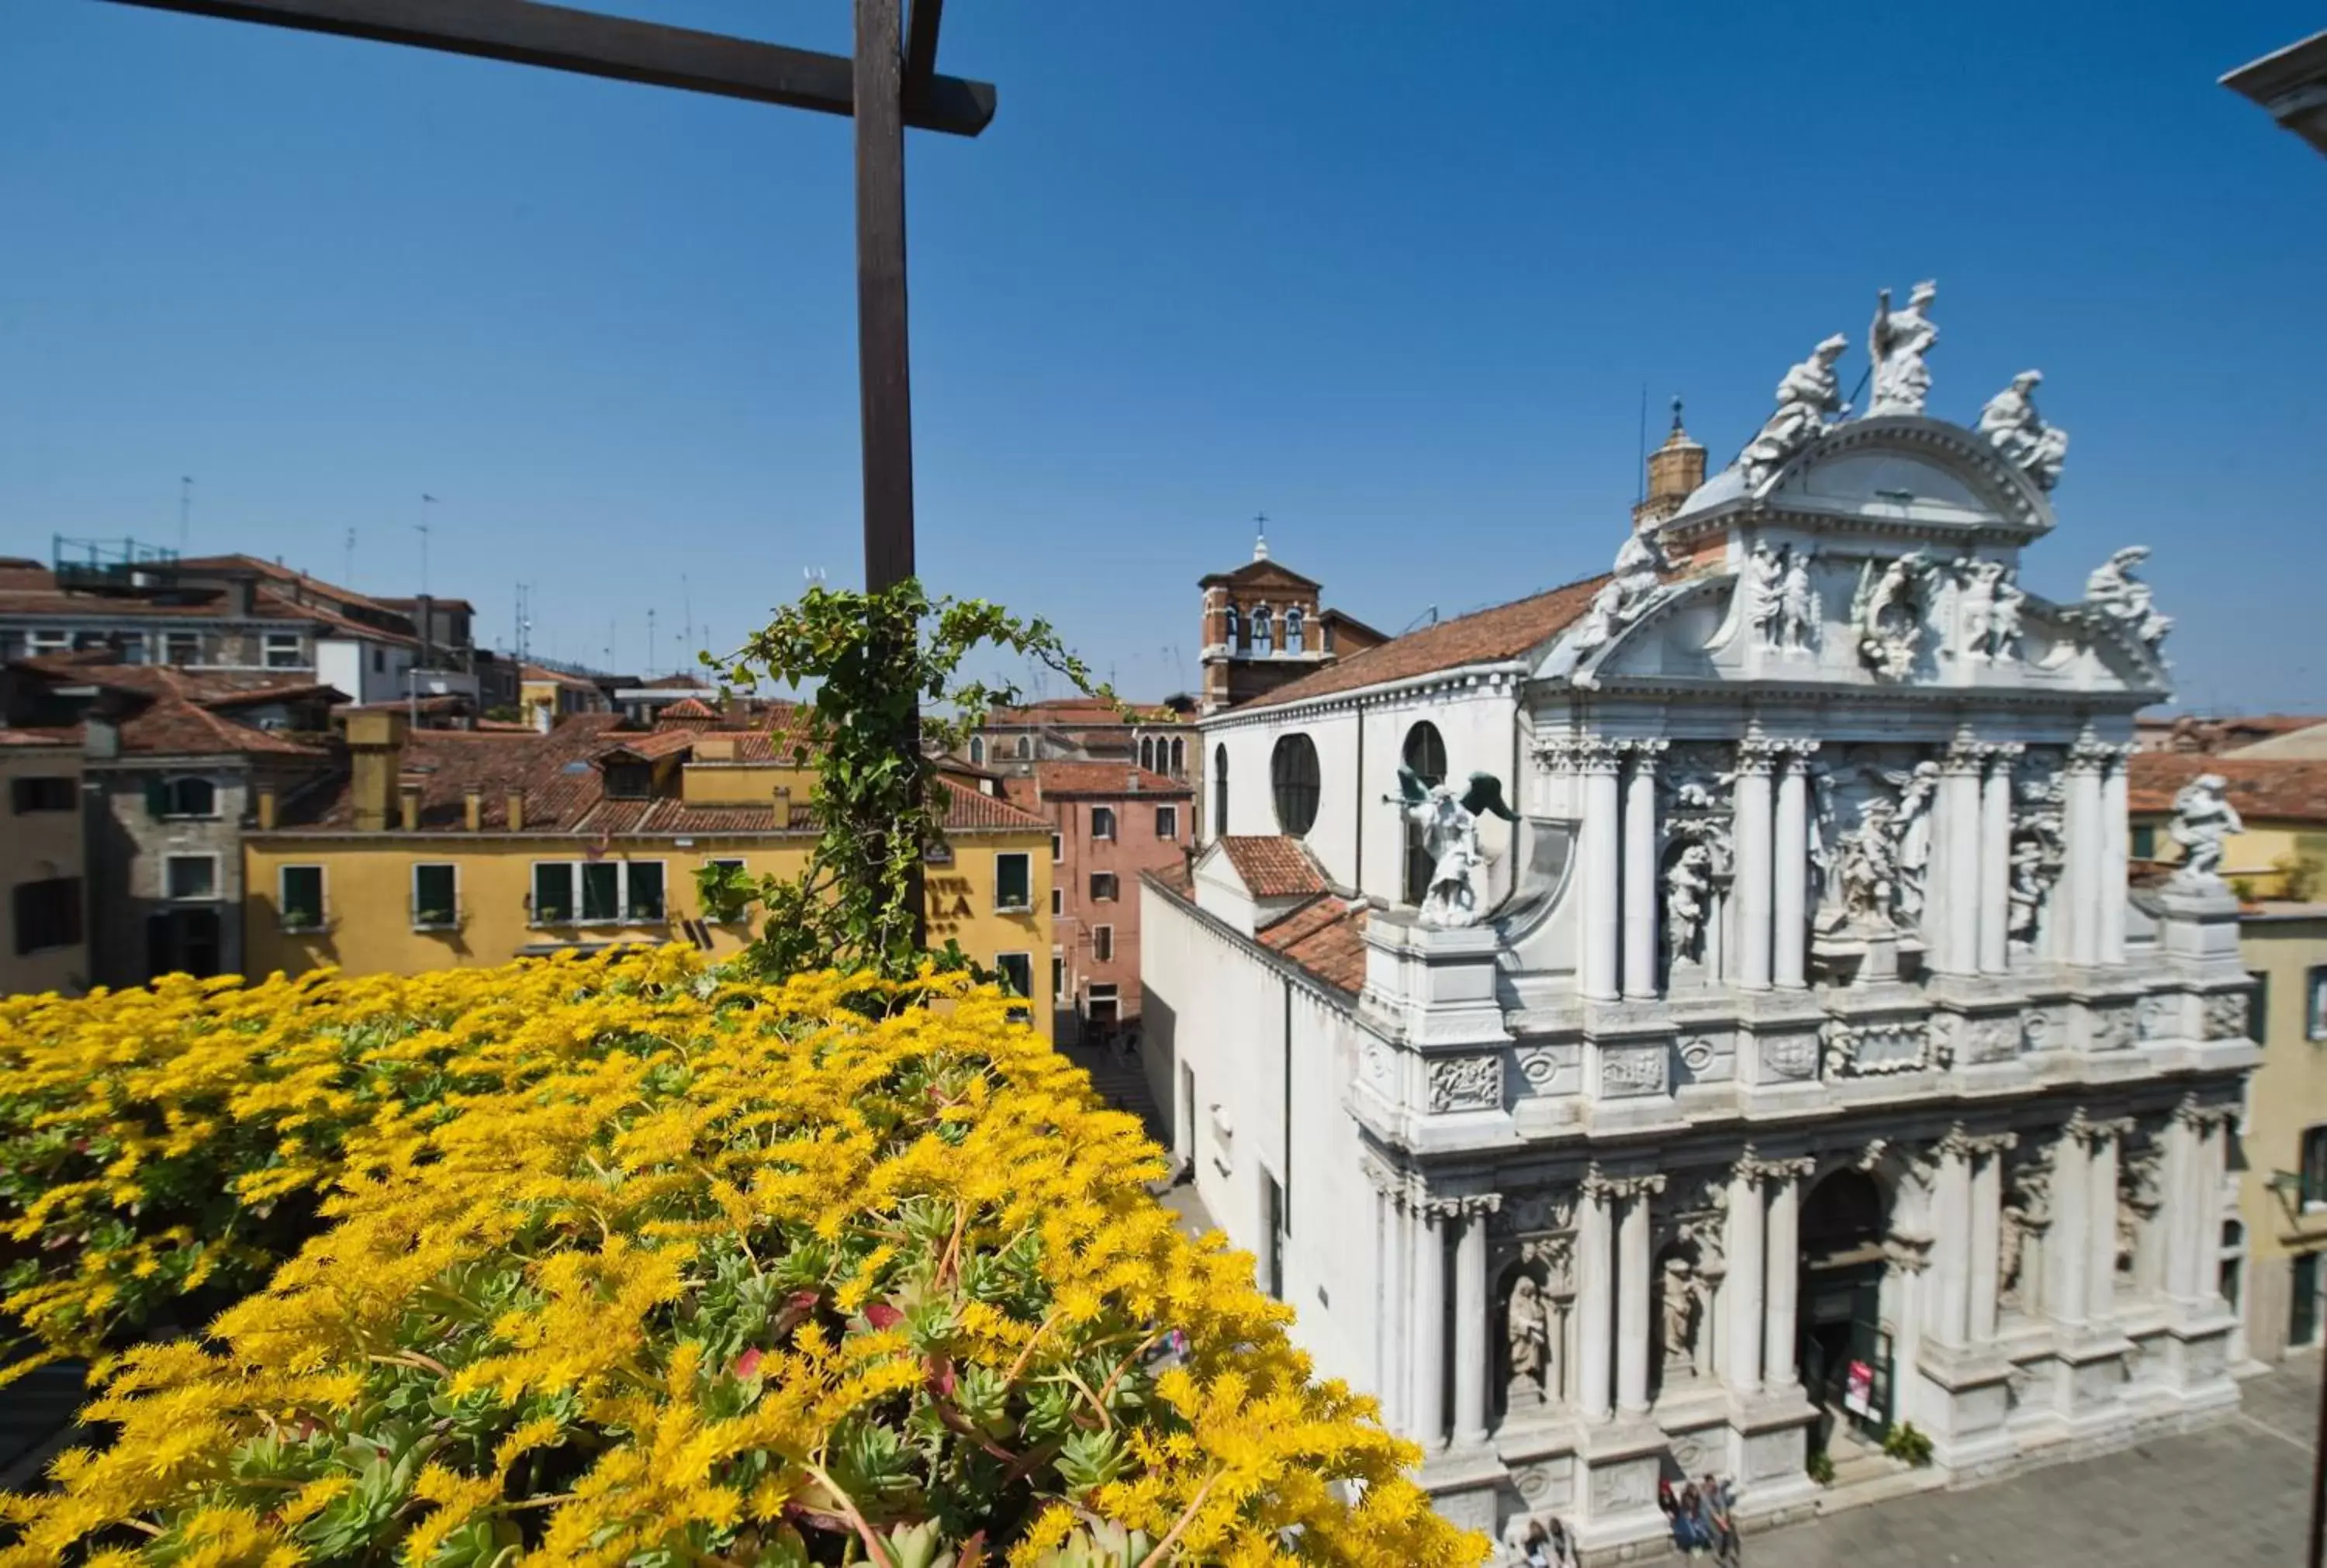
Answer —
1450 836
2114 592
1633 584
1896 343
2204 822
2019 434
1810 399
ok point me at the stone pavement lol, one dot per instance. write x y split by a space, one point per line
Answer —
2235 1495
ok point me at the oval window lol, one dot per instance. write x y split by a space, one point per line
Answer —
1292 775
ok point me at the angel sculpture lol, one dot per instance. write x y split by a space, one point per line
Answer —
1450 836
2204 821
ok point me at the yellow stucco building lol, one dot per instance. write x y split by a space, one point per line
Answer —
2283 1189
443 847
2282 853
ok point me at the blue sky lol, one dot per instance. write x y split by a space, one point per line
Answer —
1395 274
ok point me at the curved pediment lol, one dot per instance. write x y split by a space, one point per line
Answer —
1898 471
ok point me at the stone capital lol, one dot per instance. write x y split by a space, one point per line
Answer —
2204 1117
1757 754
1964 759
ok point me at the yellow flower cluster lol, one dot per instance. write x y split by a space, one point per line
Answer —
622 1262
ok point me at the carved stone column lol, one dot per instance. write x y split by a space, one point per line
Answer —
1754 756
1392 1282
2115 854
1785 1251
1952 1240
1959 843
1641 870
1595 1281
1602 917
1748 1265
2183 1137
2069 1244
2102 1140
1632 1295
2203 1132
1996 860
1986 1230
2088 836
1428 1414
1790 868
1472 1363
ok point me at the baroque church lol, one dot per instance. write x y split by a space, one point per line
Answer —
1694 1019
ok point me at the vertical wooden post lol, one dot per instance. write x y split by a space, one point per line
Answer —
883 375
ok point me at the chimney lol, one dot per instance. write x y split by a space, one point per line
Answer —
408 795
267 808
473 807
425 619
783 807
515 809
375 757
239 591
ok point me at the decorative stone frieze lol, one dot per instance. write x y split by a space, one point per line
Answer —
1872 1047
1466 1083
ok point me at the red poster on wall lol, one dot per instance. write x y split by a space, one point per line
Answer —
1858 1389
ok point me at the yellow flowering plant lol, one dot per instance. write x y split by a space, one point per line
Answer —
664 1268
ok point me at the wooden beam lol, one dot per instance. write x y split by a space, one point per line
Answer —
621 49
921 20
882 355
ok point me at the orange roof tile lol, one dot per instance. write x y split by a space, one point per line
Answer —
968 811
2263 788
1485 636
1273 865
1327 938
1108 779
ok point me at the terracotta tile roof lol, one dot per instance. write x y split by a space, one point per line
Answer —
439 704
1326 936
681 682
211 687
1178 879
1484 636
968 811
1107 779
1080 711
540 673
274 572
172 726
657 745
2263 788
41 735
1273 866
687 708
162 711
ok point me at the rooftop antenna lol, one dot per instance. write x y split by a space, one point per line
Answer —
613 640
185 510
686 606
524 623
351 574
651 643
426 501
1640 460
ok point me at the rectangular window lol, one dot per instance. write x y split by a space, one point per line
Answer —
190 876
2259 1008
1058 902
1167 823
2144 841
45 792
1103 944
629 781
552 893
643 891
380 661
1102 887
133 647
2315 1168
48 914
2303 1310
283 650
299 897
2314 1002
42 642
1272 1226
601 889
1058 847
1058 974
435 896
1017 972
1102 1007
182 648
1102 822
1013 883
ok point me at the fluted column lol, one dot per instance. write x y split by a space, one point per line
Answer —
1789 942
1987 1231
2068 1246
1472 1362
1960 844
1640 871
1748 1264
2182 1137
1428 1414
1595 1277
2100 1218
2212 1152
1632 1296
1390 1297
2115 856
1996 861
1951 1241
1785 1251
2086 833
1754 756
1601 849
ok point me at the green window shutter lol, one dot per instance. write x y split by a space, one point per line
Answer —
157 799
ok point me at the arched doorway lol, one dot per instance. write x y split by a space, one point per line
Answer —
1845 1351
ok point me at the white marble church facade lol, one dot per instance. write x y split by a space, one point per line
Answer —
1809 1067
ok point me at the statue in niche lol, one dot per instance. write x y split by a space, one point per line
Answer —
1633 584
1809 398
2025 1213
2034 872
1527 1338
2115 592
1991 611
1798 612
1764 586
1689 900
1917 789
1824 866
2204 822
1896 343
1888 614
1450 836
1869 868
2017 432
1681 1313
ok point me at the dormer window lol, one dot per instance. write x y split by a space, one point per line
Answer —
627 780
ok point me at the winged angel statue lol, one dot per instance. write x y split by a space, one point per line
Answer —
1450 835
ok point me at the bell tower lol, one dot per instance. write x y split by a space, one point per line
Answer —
1675 470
